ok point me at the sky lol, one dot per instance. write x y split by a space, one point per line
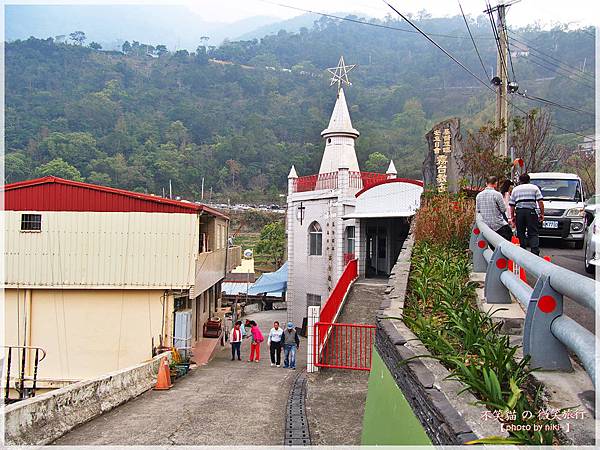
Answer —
524 12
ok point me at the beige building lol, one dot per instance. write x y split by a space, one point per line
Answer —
97 277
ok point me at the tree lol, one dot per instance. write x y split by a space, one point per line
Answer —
377 162
95 46
59 168
126 47
234 169
479 156
17 167
73 148
584 165
272 242
161 49
532 141
78 37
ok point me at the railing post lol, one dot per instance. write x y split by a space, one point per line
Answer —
494 291
539 343
477 244
312 347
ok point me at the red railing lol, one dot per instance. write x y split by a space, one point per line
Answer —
348 257
358 180
348 345
333 304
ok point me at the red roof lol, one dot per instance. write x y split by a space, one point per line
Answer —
57 194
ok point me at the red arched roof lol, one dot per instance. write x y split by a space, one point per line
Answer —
391 180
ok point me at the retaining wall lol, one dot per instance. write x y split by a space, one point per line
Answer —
447 417
43 419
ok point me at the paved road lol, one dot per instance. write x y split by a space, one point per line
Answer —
223 403
571 259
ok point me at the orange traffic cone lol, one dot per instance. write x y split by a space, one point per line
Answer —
163 381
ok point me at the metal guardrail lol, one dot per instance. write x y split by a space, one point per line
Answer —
547 334
23 355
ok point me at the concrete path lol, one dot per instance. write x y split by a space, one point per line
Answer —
336 398
223 403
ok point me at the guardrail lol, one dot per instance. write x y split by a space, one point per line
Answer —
24 356
547 334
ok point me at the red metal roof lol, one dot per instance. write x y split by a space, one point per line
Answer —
57 194
390 180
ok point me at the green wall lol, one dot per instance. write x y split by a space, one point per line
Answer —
389 419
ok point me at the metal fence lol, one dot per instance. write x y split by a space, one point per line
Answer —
548 334
348 346
19 362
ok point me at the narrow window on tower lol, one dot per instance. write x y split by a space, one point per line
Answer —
315 241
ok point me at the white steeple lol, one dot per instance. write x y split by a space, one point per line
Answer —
391 172
339 139
292 173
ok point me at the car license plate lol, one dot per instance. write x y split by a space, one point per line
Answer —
550 224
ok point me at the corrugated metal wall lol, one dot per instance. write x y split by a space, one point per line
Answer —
102 250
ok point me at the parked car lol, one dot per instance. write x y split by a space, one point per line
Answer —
591 259
564 205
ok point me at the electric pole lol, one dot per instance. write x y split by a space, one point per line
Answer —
503 86
502 89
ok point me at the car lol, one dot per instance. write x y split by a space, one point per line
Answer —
564 205
591 258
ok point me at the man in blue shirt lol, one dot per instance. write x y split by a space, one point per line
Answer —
527 211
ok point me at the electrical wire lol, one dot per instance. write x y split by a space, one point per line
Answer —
553 103
473 41
362 22
559 74
503 66
565 66
466 69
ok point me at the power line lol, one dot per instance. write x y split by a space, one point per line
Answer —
503 66
562 64
362 22
473 41
556 71
553 103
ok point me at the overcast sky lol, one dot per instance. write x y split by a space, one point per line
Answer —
546 12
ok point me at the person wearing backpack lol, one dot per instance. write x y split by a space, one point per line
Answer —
257 339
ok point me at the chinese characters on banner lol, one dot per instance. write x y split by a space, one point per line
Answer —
443 160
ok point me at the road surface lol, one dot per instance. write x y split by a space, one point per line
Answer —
571 259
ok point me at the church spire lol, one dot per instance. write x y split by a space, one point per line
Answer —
339 135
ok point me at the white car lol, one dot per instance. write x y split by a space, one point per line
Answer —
591 258
563 206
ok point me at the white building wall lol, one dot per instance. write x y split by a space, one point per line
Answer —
98 250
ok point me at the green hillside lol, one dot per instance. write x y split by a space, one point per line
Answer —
139 121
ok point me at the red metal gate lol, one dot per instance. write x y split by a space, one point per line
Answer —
343 345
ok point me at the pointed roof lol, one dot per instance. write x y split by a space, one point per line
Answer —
392 168
292 173
340 123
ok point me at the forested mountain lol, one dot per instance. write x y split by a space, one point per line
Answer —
140 119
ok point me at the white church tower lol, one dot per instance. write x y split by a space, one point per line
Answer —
325 229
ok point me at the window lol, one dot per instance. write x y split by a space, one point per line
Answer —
31 222
315 235
350 240
313 300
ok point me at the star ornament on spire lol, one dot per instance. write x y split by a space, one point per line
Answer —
340 73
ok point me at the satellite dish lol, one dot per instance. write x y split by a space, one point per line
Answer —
496 81
248 253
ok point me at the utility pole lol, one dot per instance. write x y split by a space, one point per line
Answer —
501 79
202 195
502 89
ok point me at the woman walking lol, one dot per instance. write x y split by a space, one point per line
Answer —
257 338
274 343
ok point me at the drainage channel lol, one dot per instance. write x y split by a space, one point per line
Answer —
296 424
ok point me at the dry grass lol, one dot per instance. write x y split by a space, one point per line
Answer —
443 219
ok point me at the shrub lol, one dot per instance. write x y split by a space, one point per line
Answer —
445 219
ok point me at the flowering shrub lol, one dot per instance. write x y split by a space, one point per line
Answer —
445 219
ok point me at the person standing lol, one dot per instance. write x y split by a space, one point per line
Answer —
235 339
505 190
291 343
274 343
527 211
490 204
257 339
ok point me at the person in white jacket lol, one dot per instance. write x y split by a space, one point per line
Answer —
274 343
235 339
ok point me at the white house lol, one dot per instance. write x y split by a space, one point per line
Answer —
341 214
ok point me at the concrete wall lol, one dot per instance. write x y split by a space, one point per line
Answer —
85 333
43 419
448 418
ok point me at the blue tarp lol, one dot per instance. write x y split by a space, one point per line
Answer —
270 283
